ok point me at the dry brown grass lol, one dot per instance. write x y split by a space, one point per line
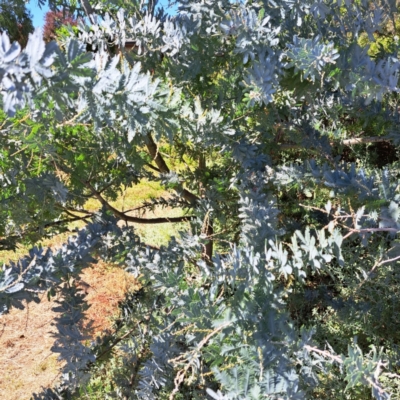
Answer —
26 361
107 286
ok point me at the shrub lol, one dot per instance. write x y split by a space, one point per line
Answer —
285 284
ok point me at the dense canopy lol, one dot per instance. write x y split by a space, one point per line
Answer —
274 125
15 20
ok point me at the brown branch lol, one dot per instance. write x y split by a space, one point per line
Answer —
106 187
162 166
68 212
128 218
155 155
152 167
151 205
389 260
376 265
188 196
324 353
346 142
352 231
210 244
66 221
77 210
208 230
180 376
371 139
207 224
164 220
8 239
339 360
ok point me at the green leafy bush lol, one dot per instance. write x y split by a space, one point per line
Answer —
259 118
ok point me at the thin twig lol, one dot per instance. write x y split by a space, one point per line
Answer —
180 376
340 361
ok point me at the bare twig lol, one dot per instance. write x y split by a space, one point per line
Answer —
366 230
128 218
346 142
339 360
389 261
180 376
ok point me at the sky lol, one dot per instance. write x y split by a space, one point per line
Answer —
38 14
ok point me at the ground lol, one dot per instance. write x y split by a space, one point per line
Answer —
26 337
26 362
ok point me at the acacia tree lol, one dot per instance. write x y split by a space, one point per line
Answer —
16 20
289 241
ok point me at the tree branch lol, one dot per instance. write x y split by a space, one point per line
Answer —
66 221
155 154
128 218
8 242
339 360
366 230
162 166
346 142
188 196
87 7
152 167
371 139
82 211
